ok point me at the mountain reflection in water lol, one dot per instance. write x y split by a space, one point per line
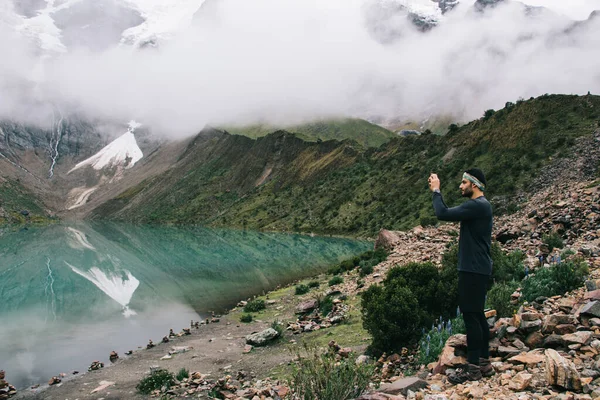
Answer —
71 294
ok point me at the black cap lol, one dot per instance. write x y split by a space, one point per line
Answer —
477 173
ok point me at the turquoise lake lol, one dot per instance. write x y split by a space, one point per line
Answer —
70 294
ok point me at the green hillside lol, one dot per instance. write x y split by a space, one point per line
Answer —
280 182
364 132
14 198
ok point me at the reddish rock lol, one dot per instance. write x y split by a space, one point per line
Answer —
386 239
534 340
532 357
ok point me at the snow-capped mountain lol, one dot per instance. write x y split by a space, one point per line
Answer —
122 152
55 26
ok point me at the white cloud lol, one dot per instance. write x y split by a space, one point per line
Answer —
286 60
575 9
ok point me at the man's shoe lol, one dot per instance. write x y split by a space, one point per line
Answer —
486 368
469 372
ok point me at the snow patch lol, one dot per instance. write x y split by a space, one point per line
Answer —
426 9
163 18
123 151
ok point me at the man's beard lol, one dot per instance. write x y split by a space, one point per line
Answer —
467 192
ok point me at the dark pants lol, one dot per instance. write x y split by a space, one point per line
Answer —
472 289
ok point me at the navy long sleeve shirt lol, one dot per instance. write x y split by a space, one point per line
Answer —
475 216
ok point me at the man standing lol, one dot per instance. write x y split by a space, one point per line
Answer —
474 267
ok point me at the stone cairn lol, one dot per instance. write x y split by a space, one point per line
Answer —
6 389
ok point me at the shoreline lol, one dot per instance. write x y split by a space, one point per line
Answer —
216 349
229 321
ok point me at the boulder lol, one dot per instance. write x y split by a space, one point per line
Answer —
402 386
534 340
553 341
532 357
262 338
582 337
386 239
453 354
520 382
592 308
561 372
306 306
530 326
553 320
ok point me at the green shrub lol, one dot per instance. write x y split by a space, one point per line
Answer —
314 284
555 280
246 318
423 279
498 298
432 343
301 289
411 297
392 316
322 377
507 267
335 270
336 280
365 270
428 221
182 374
255 306
553 241
156 381
325 305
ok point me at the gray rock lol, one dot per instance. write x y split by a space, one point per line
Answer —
306 306
530 326
402 386
261 338
591 308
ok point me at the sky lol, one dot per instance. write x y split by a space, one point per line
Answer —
286 61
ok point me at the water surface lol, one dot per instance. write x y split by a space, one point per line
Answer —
69 294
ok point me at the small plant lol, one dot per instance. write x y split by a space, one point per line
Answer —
255 306
277 326
246 318
553 241
156 381
365 269
314 284
566 254
322 377
182 374
301 289
432 343
336 280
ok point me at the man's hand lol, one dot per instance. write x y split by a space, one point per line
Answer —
434 182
